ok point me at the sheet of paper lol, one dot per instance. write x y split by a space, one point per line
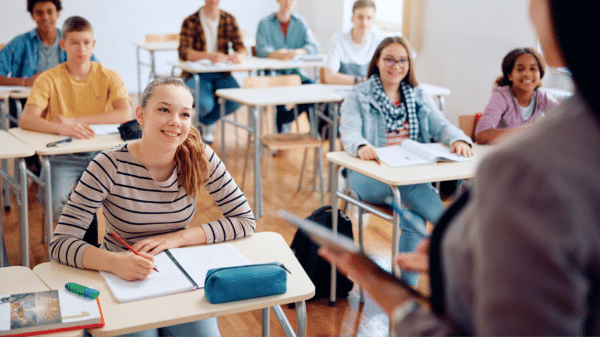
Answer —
105 129
200 259
397 156
169 280
432 151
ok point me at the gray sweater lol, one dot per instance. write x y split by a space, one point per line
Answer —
523 257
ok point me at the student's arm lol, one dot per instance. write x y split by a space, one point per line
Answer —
333 77
240 53
18 81
490 135
129 267
119 114
31 119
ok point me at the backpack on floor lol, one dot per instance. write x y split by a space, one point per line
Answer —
316 267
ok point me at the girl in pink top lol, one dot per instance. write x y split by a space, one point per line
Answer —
517 100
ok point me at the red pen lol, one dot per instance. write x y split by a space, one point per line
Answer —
377 160
128 246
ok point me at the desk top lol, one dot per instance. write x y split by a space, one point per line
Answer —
408 175
158 46
297 94
38 141
252 63
433 90
14 91
18 280
190 306
13 147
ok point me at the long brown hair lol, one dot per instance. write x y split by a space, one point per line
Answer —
190 155
508 64
411 78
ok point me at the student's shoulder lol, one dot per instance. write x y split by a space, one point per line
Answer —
300 18
98 70
194 17
339 38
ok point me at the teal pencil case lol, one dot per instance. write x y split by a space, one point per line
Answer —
243 282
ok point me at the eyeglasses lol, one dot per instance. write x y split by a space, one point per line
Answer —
390 62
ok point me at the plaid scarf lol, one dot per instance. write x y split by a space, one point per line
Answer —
396 116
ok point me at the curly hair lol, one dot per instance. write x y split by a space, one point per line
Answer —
31 4
508 64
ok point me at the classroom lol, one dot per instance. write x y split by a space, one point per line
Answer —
458 48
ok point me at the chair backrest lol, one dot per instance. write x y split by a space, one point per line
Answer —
467 124
2 45
162 37
271 81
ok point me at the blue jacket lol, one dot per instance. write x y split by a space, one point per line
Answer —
269 37
363 122
20 57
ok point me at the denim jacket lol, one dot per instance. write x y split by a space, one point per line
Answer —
363 122
20 57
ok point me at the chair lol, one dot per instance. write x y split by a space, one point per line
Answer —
276 142
161 37
467 124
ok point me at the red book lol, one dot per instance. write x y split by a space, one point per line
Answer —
48 312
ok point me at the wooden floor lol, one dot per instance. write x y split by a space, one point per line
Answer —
280 179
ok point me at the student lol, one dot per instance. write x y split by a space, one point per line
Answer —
350 53
29 54
517 100
283 36
66 99
520 257
384 110
206 34
148 192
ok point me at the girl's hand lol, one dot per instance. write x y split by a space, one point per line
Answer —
461 148
367 152
157 244
71 128
132 267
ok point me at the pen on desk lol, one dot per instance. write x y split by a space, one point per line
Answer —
377 160
128 246
62 141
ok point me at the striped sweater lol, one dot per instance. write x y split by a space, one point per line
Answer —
135 206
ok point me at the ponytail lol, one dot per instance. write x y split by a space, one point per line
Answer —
192 162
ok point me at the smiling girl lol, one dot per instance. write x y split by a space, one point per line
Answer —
386 109
517 100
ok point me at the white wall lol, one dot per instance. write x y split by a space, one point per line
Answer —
119 23
464 40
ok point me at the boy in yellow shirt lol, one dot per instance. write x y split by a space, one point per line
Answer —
66 99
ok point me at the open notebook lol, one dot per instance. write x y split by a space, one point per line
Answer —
411 153
180 270
47 311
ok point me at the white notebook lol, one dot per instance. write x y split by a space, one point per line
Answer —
179 270
411 153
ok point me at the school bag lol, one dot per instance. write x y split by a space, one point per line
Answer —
319 270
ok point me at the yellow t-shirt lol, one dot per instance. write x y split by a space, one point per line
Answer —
58 93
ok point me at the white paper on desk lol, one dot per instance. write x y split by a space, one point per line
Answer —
207 64
310 57
105 129
411 153
196 261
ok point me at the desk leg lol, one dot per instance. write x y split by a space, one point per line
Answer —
301 319
6 186
139 73
152 66
335 116
334 227
23 216
395 228
266 321
442 103
222 113
48 199
285 324
257 171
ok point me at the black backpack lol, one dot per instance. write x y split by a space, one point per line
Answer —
316 267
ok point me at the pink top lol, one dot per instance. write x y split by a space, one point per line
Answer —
503 110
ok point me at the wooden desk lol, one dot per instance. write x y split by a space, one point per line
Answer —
38 141
151 47
397 176
262 97
191 306
13 148
19 280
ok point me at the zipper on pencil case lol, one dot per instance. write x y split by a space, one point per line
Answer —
274 264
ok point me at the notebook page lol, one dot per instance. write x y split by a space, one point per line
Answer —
105 129
432 151
397 156
198 260
169 280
